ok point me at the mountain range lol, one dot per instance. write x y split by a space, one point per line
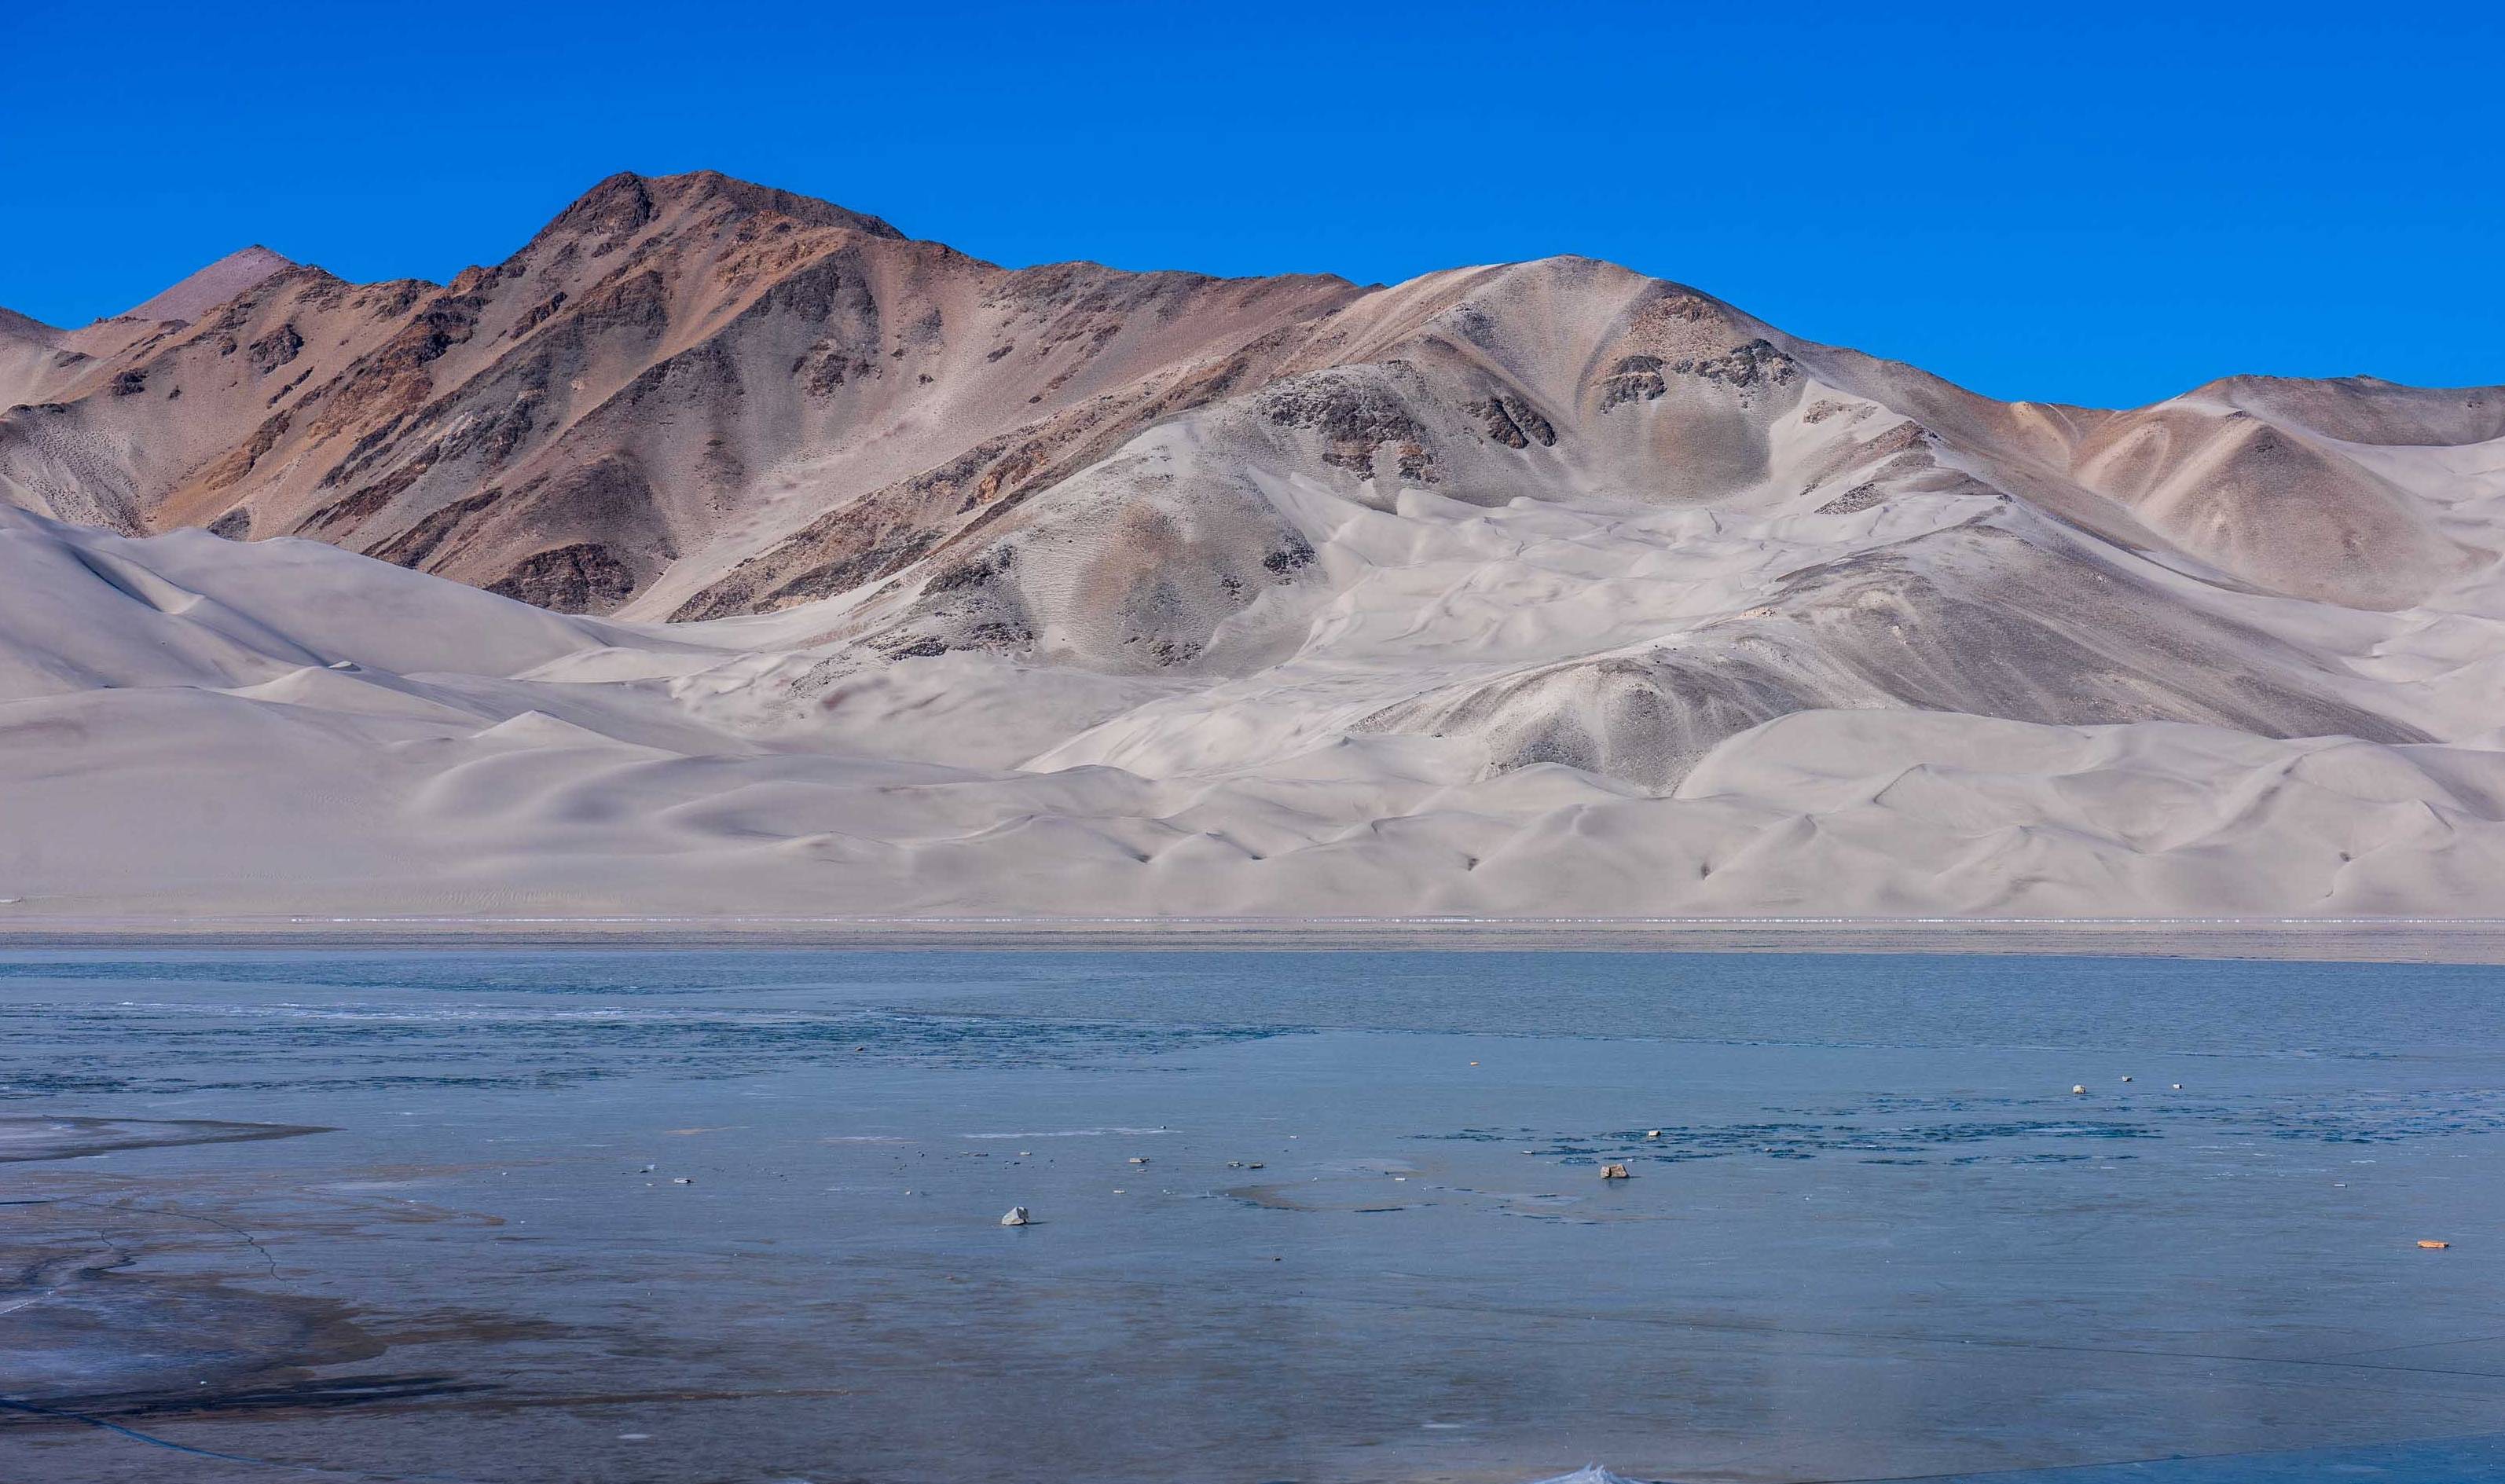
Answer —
725 552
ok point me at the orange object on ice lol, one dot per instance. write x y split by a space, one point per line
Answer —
2435 1246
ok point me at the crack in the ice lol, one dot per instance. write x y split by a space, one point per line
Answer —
62 1414
249 1239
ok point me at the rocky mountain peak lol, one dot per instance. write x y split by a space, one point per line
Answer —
212 286
626 202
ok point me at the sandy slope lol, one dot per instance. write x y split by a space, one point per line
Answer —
179 742
1540 588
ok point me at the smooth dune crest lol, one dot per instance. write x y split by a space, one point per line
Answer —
726 552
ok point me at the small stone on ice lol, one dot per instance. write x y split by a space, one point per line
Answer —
2078 1087
1613 1172
1017 1217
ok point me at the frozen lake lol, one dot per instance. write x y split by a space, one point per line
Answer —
388 1215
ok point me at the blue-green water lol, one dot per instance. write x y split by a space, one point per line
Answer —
387 1214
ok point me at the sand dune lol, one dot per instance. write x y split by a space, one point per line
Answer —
1533 589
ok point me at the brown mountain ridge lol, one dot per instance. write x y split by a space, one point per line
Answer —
691 396
632 392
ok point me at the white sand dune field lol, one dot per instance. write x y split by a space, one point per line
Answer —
724 552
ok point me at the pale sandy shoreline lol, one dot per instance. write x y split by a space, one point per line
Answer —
2344 940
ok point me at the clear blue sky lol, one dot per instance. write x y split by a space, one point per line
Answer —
2086 203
